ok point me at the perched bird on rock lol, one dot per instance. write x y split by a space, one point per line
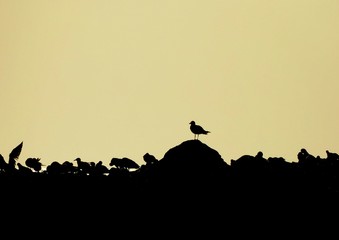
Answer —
197 130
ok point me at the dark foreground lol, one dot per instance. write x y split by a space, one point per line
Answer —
190 184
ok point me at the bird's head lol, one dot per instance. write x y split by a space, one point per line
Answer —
192 123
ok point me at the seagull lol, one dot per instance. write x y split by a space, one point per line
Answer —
197 130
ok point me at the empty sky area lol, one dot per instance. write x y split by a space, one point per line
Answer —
103 79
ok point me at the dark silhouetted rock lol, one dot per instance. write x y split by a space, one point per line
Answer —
191 168
193 157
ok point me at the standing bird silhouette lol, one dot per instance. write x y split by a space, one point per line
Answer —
197 130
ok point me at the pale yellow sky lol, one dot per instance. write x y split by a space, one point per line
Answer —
102 79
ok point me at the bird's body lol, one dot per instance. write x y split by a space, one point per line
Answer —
123 163
197 130
34 163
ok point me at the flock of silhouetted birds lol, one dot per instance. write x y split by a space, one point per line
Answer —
190 174
311 173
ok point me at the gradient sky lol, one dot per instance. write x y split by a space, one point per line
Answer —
102 79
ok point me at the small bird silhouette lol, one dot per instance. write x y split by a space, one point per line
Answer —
34 163
197 130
